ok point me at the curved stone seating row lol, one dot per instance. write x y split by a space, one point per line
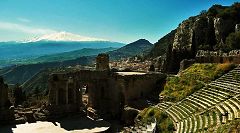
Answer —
198 123
219 97
226 84
164 105
220 114
228 80
226 88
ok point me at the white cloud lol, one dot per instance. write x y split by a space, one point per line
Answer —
24 20
23 28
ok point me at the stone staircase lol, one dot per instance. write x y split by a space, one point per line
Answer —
211 106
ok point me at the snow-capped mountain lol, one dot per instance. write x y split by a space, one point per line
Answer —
64 36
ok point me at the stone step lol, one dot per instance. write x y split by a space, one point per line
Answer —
178 128
206 123
212 99
188 111
187 127
181 110
195 124
191 124
172 115
229 81
217 93
178 114
234 107
206 100
200 102
200 122
191 104
224 87
216 97
223 113
229 111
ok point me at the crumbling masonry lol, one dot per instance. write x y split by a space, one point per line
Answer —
108 92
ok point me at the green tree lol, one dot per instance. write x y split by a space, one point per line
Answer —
233 40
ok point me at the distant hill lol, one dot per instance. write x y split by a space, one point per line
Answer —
161 46
21 53
21 73
131 49
71 55
38 81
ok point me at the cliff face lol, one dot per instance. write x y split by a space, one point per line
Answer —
203 32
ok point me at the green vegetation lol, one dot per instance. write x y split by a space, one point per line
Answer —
193 79
164 123
225 12
233 40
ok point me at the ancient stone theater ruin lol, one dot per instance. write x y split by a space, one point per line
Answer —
108 92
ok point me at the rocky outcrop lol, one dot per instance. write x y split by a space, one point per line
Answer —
202 32
223 27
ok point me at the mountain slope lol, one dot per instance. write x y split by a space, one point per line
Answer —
71 55
131 49
21 73
20 53
161 46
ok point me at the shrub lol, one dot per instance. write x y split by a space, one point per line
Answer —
164 123
233 40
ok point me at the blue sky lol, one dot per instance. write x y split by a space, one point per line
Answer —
115 20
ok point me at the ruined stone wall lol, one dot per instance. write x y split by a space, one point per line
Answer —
64 93
138 86
108 92
218 57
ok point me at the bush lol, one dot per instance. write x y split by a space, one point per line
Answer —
233 40
164 123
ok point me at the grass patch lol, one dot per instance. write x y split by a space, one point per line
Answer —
192 79
164 123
